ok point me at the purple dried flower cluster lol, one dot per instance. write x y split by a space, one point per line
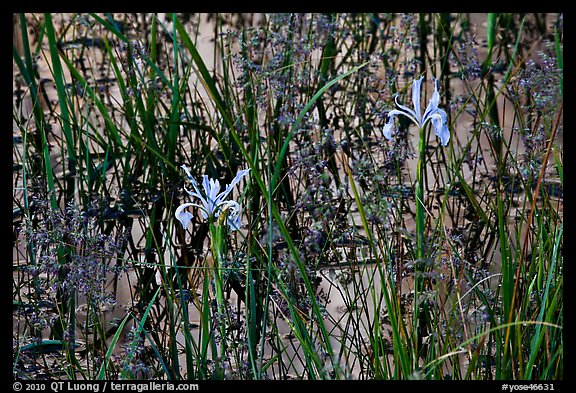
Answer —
466 103
233 364
408 31
318 203
134 348
464 58
135 68
539 90
278 60
227 317
535 143
540 81
70 255
295 290
135 49
404 39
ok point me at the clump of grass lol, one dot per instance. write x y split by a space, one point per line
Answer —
445 262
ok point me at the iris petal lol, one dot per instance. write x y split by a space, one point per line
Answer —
235 181
404 110
432 105
233 219
444 135
187 170
183 216
416 87
387 130
191 178
438 120
389 126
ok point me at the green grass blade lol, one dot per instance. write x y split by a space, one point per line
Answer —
28 72
559 59
491 40
102 373
209 85
110 126
112 28
515 53
60 87
140 327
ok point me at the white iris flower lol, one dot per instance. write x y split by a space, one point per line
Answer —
212 200
432 113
